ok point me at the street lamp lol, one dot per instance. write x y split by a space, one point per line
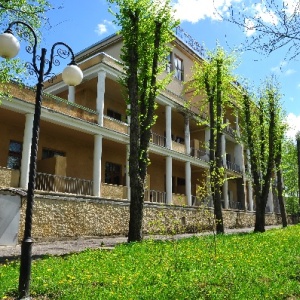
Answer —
72 75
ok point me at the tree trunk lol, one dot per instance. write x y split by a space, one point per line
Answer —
136 210
136 184
259 216
219 175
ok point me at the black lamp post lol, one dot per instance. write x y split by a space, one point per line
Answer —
72 75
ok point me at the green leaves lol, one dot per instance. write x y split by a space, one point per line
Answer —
33 13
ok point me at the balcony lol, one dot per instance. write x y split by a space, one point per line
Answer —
115 124
230 131
200 154
56 103
233 167
158 139
155 196
63 184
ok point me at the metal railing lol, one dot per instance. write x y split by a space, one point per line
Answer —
206 202
233 167
155 196
158 139
200 154
235 205
63 184
229 130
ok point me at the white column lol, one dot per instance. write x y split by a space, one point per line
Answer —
223 149
207 136
187 135
237 126
127 172
270 200
27 139
169 179
188 185
97 165
71 94
168 127
225 193
100 96
250 195
238 155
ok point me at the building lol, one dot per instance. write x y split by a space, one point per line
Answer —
84 141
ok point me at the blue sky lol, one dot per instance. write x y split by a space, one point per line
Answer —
80 25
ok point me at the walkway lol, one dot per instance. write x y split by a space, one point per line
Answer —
70 246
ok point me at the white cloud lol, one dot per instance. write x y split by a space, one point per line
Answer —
290 6
267 16
293 122
103 27
281 69
249 27
196 10
289 72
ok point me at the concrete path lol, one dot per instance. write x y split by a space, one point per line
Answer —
70 246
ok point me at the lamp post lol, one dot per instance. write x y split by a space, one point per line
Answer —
72 75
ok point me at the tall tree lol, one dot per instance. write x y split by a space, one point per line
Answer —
147 29
33 13
213 78
279 176
290 175
269 25
262 133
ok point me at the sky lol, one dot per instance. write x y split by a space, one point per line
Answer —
81 24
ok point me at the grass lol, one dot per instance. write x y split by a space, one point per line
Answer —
245 266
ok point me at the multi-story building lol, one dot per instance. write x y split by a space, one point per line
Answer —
84 135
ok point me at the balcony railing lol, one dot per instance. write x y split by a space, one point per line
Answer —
155 196
235 205
62 184
200 154
206 202
158 139
233 167
229 130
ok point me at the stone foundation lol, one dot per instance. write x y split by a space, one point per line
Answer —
65 217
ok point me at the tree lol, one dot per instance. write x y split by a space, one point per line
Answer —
270 25
147 29
33 13
279 176
262 134
213 79
290 175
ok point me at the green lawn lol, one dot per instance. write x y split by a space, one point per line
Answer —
247 266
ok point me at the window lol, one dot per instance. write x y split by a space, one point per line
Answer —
113 173
178 66
114 114
14 155
169 63
48 153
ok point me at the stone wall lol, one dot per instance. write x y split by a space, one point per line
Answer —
9 177
61 217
